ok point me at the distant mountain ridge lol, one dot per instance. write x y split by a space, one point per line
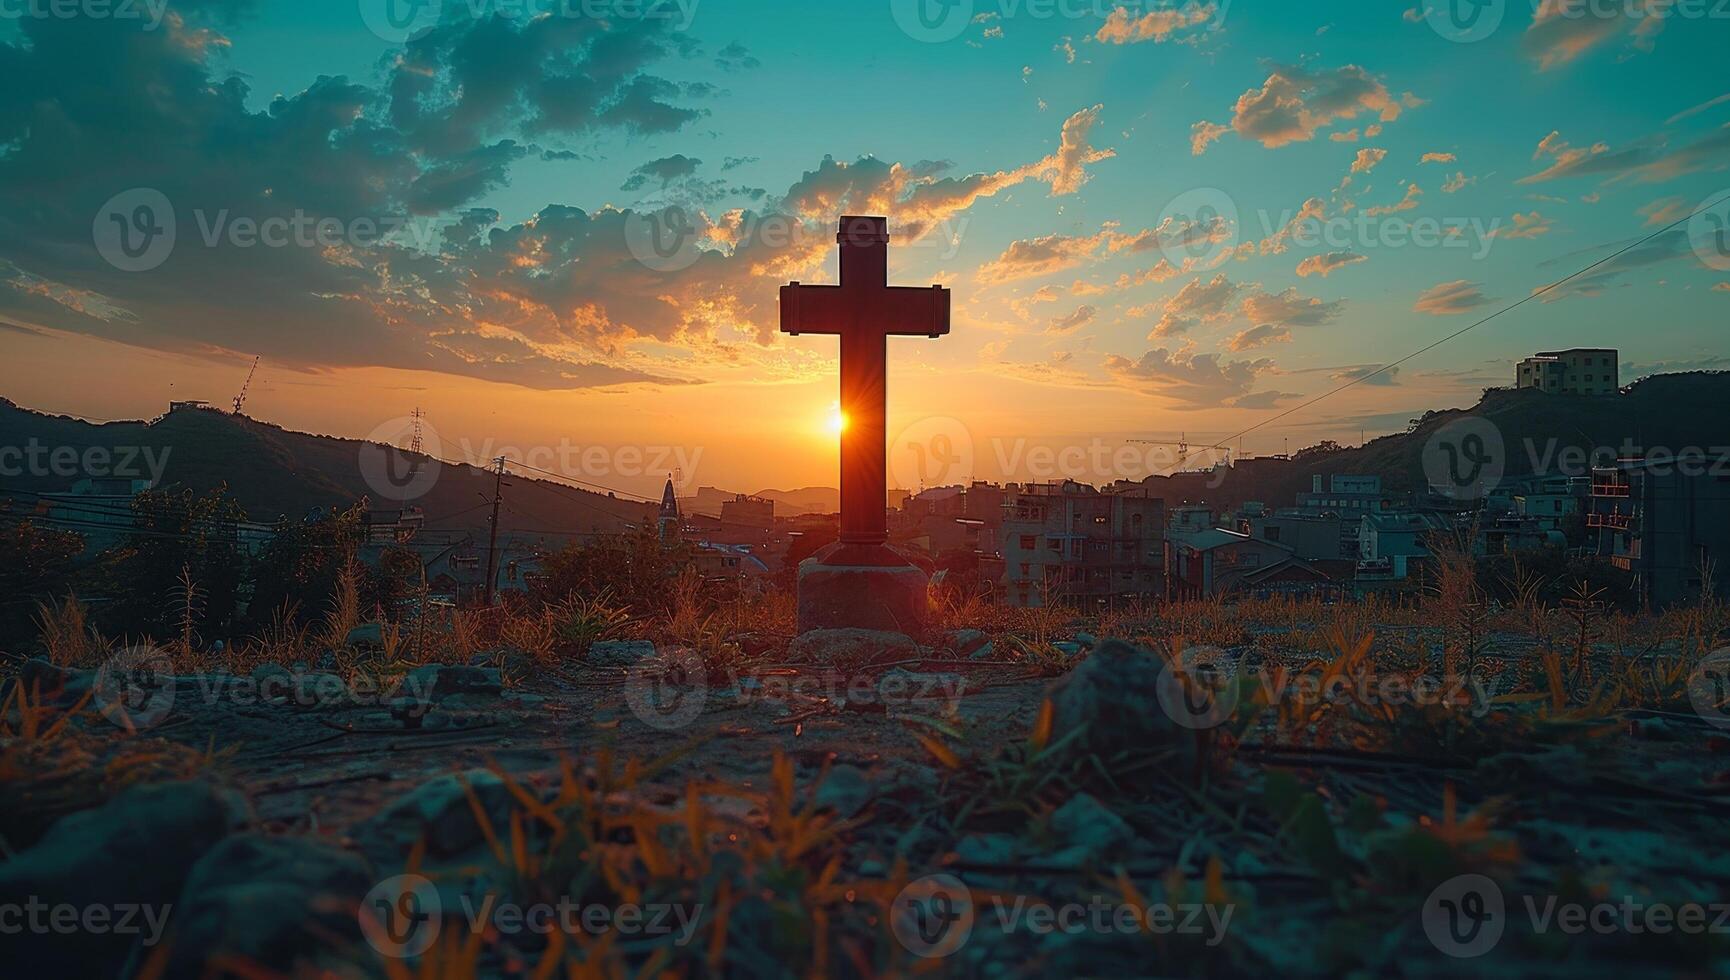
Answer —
275 472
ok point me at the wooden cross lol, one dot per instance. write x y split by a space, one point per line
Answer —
864 311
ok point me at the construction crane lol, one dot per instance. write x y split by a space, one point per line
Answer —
1183 447
240 399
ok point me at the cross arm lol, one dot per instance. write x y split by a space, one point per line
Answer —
901 311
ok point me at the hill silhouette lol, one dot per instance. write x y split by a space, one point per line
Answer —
1665 412
275 472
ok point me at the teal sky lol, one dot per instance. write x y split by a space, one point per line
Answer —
1595 124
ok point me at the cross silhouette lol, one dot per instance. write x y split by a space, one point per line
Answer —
864 311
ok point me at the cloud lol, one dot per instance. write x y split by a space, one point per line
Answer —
1066 169
1369 374
1081 317
1295 103
1029 257
736 57
1451 298
1458 182
1721 287
1323 265
919 197
1667 246
1696 110
1438 158
1666 211
1193 380
1407 203
1313 210
663 171
554 300
1563 30
1290 309
1648 161
1530 225
1367 159
1260 336
1157 25
1197 302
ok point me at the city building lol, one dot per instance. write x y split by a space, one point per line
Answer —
1311 537
1348 496
744 511
1388 543
1666 520
1071 542
1578 371
1214 561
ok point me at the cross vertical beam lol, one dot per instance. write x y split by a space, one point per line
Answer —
864 311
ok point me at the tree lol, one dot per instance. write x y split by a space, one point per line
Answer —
177 537
36 564
300 566
635 569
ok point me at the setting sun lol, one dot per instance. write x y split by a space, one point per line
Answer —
837 421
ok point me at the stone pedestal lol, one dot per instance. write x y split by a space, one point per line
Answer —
864 587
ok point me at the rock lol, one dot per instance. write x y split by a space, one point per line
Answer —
311 690
1086 640
49 681
1115 693
965 643
985 652
1068 649
987 849
902 688
443 680
273 903
620 653
439 810
136 850
846 790
755 644
1089 829
851 648
274 673
365 635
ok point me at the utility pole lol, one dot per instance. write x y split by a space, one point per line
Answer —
493 531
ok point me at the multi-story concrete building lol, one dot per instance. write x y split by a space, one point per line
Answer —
1666 520
1579 371
1215 561
1071 542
